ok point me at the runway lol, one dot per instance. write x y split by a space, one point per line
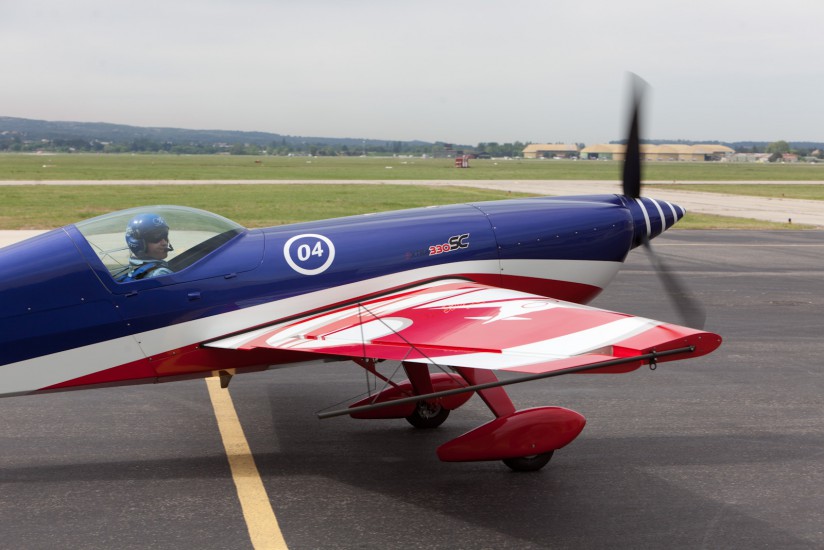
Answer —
719 452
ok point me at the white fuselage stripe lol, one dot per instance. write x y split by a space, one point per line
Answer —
40 372
675 216
586 272
646 216
661 214
48 370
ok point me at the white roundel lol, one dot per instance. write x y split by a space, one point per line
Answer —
309 253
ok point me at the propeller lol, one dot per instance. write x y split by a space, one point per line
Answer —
688 306
632 158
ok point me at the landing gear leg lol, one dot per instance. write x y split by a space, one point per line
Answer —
502 407
496 399
427 414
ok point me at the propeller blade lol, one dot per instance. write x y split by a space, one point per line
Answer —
688 306
632 158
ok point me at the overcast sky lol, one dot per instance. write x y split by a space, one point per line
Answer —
457 71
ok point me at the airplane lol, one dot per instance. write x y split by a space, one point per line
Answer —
449 295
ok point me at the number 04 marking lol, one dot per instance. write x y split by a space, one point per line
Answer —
304 252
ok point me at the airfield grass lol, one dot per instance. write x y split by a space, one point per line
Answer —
44 207
47 207
49 167
792 191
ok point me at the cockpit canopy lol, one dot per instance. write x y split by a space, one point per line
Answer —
193 233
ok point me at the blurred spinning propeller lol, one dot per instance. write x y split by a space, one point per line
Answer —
688 306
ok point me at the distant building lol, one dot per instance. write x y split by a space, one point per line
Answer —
714 151
606 151
744 157
664 152
550 150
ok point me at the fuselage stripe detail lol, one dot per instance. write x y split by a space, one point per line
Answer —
52 370
159 341
661 213
42 372
646 216
675 216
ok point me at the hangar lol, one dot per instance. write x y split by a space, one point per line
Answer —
715 151
664 152
607 151
550 150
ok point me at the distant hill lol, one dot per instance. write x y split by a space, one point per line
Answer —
38 130
23 134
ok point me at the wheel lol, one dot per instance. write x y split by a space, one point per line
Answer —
528 463
428 415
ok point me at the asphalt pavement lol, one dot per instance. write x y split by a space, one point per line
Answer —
724 451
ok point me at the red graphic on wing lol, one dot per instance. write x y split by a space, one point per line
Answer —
463 324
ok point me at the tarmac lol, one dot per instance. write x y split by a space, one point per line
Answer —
723 451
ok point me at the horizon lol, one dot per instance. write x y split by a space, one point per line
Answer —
660 141
461 73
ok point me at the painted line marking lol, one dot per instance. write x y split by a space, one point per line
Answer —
257 508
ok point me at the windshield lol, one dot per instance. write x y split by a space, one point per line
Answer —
122 241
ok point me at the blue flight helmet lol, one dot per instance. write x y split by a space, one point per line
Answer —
145 228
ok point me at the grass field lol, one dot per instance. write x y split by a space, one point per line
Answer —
45 207
221 167
794 191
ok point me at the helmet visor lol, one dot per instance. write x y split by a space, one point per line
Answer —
157 235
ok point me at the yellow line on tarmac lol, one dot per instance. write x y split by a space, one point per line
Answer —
257 509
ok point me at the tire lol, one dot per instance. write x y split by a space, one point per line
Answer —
427 416
528 463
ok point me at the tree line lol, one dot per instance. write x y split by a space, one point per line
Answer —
16 144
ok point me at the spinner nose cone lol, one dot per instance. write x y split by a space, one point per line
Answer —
652 217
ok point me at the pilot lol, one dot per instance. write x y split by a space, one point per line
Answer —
147 236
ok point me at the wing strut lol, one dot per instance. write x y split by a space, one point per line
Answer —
652 357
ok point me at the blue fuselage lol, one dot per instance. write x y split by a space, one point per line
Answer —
56 294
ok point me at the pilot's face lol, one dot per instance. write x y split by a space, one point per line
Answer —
159 249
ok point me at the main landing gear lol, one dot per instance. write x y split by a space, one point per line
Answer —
529 463
524 440
428 415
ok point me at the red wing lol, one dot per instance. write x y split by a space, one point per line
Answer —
463 324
